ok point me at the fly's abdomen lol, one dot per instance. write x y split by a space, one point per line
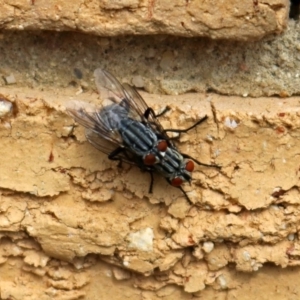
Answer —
112 115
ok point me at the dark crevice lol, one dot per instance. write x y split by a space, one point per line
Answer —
295 9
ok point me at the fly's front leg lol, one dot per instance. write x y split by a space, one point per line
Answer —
187 129
149 111
198 162
114 153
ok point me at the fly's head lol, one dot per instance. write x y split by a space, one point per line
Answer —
183 174
174 167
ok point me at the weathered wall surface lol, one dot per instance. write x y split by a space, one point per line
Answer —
159 64
62 200
75 226
238 20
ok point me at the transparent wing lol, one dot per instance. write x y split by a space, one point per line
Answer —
136 100
94 120
99 133
107 147
110 88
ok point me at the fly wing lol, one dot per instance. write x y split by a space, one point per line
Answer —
110 89
95 120
108 86
107 147
136 100
125 95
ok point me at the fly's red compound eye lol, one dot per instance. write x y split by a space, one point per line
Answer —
162 146
177 181
149 159
189 166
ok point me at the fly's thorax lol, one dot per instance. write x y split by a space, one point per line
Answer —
137 137
156 154
175 167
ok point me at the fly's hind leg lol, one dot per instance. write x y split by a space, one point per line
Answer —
113 155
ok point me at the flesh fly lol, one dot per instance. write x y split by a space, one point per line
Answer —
127 130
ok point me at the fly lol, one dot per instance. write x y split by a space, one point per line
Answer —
127 130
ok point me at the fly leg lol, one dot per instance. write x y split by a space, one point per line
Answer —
151 182
185 194
187 129
114 153
149 111
198 162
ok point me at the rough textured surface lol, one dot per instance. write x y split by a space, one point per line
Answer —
238 20
74 226
158 64
63 201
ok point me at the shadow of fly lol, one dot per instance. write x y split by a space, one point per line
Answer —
127 130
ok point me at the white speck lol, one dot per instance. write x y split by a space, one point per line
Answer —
7 125
182 117
142 240
67 130
108 273
208 247
275 207
31 230
282 226
80 90
264 144
126 263
175 134
284 160
5 108
193 19
78 263
291 236
277 189
222 281
217 152
256 266
245 95
209 138
230 123
246 255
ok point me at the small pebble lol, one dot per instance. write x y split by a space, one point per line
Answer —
10 79
222 281
138 81
208 247
5 108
